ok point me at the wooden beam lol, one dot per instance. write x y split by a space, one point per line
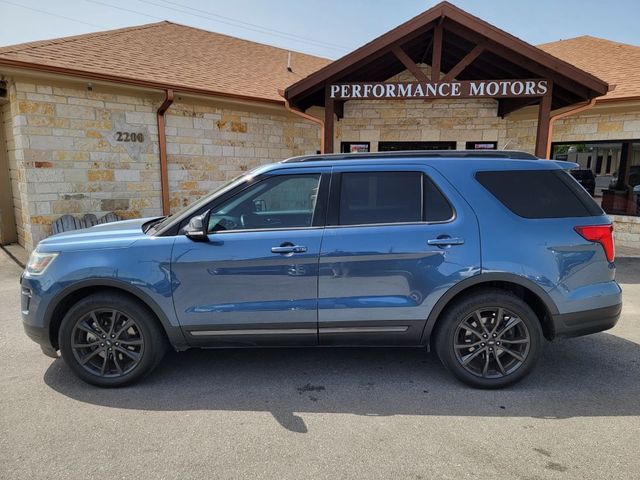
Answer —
531 53
519 60
338 107
328 120
544 115
508 105
362 56
436 56
623 168
427 49
464 63
409 64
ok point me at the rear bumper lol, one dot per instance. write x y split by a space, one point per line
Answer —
576 324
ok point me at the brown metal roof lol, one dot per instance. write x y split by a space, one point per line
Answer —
168 55
505 56
616 63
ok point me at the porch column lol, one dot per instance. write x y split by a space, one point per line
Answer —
329 108
544 115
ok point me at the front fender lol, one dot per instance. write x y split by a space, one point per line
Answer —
169 322
142 269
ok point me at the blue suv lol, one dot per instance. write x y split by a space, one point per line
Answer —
479 256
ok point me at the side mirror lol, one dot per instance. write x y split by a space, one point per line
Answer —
197 228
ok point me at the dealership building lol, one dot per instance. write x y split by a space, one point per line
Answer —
142 121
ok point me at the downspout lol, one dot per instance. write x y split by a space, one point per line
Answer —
306 116
162 147
573 111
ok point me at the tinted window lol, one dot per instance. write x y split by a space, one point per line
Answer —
283 201
380 197
436 206
539 193
390 197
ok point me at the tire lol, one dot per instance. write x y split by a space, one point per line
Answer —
111 340
468 333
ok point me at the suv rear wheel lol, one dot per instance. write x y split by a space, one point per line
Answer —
489 339
110 340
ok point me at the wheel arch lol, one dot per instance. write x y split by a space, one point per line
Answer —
72 294
539 300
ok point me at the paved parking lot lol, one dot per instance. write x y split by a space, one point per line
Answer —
324 413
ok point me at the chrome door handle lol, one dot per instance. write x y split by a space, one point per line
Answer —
289 249
445 241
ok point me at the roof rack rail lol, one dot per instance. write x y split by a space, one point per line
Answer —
508 154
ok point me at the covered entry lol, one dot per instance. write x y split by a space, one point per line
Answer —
449 54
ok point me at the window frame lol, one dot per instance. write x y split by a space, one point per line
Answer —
553 171
335 190
319 213
345 146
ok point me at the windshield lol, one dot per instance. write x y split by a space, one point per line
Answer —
223 188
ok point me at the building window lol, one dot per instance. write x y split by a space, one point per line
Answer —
481 145
399 146
355 147
617 171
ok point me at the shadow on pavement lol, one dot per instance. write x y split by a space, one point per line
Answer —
597 375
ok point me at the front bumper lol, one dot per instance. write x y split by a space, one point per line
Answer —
576 324
41 337
34 325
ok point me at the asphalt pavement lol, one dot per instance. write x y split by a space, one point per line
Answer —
324 413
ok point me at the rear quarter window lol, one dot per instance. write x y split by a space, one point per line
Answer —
539 193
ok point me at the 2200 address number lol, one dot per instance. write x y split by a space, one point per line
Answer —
129 137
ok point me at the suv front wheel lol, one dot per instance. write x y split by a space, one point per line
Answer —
110 340
489 339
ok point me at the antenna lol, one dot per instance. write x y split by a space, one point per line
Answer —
289 62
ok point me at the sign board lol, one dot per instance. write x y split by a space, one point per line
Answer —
482 145
518 88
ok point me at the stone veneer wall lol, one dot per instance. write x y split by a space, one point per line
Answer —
592 125
471 120
14 141
66 158
626 230
63 155
208 145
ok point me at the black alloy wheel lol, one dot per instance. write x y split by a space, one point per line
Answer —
110 339
492 342
107 342
489 338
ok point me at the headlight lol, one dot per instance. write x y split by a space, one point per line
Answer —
38 262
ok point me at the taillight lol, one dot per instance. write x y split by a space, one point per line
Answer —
602 234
